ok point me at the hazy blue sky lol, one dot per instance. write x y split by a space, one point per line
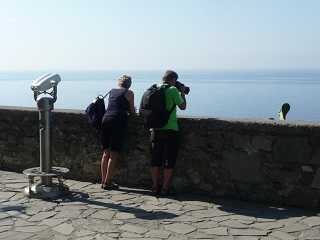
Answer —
149 34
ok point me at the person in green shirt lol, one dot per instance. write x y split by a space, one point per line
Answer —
165 141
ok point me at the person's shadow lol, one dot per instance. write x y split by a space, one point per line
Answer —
74 196
16 208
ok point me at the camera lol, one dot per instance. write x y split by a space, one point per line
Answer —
180 87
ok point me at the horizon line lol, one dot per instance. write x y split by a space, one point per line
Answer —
164 69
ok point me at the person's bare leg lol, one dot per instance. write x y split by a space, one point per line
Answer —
104 165
155 175
167 178
114 156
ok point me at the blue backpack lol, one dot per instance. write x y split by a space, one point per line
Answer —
95 112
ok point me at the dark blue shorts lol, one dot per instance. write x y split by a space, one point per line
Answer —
113 133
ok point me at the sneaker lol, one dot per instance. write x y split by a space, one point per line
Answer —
156 190
111 186
167 192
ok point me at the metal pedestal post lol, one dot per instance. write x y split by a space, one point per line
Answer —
45 106
45 188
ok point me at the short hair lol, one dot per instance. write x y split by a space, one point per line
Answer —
169 74
125 81
285 108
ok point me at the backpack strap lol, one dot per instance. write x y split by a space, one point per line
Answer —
166 86
106 94
174 105
109 93
171 110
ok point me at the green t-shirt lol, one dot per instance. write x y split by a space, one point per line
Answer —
173 97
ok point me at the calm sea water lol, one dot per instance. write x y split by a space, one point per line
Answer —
213 94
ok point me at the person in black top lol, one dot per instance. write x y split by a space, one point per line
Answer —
114 125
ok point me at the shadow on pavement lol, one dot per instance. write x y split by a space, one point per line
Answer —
239 207
138 213
263 210
252 209
141 191
4 208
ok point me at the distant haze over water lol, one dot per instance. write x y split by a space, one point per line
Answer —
236 94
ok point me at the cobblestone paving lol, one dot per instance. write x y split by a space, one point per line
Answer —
91 213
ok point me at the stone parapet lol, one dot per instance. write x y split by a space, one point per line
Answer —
264 161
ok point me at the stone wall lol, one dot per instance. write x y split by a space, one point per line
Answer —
264 161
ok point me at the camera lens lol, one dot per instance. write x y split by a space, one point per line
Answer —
186 90
180 86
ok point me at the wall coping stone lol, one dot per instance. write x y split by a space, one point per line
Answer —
287 123
241 124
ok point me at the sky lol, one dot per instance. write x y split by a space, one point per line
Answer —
152 35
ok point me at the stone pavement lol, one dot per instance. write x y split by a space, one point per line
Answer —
92 213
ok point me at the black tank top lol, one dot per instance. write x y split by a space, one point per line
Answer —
118 104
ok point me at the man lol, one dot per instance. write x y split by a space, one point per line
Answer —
165 141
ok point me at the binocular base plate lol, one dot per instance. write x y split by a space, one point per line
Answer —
52 191
45 188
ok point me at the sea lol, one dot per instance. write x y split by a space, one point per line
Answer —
215 94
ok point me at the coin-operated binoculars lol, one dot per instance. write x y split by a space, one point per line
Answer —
45 94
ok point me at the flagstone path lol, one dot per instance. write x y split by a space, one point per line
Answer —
92 213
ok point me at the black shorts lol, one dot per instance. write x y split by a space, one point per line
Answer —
164 148
113 133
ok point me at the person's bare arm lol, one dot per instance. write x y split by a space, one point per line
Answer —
130 97
183 105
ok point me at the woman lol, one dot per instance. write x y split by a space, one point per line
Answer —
114 125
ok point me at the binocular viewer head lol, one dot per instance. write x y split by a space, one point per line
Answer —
45 82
